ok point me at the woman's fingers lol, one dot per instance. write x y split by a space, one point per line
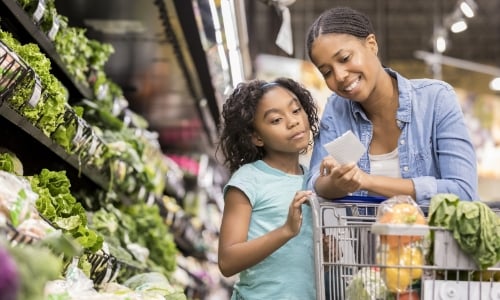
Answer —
327 165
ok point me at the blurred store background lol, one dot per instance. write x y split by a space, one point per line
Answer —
139 86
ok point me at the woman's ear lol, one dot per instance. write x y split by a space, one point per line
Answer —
371 43
257 140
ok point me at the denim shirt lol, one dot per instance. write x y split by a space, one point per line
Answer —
435 149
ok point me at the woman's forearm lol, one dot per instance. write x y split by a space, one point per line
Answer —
388 186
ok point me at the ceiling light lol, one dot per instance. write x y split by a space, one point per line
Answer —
458 26
455 21
495 84
468 8
440 40
441 44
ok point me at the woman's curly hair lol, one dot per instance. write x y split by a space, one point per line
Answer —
238 113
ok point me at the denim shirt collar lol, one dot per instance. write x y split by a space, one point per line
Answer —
404 110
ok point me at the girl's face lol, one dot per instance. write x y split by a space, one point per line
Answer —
281 124
349 65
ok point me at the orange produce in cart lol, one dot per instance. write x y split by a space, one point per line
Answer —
400 210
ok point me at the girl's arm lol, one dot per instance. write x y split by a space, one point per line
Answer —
235 252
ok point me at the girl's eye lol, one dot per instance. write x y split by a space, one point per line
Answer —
345 58
297 110
275 121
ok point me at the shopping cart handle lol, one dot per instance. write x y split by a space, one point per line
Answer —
315 200
360 199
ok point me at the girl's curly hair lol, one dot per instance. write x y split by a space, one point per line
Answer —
238 113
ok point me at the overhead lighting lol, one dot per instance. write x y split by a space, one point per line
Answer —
458 26
495 84
440 44
455 21
440 40
468 8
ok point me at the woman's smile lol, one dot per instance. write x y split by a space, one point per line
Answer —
352 86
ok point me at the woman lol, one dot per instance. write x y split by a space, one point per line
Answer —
417 140
266 231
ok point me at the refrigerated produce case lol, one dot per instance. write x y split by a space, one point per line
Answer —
112 179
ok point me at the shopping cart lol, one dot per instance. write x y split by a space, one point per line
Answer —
352 264
341 230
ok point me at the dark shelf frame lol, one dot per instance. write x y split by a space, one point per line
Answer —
20 21
27 31
15 118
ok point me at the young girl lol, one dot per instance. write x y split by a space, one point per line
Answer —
266 232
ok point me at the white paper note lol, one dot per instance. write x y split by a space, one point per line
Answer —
346 148
284 40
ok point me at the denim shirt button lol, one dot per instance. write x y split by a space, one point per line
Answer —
402 142
405 168
399 123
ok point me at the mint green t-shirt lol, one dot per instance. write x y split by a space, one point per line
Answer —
288 273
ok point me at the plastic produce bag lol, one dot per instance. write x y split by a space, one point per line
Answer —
367 284
400 210
400 255
17 200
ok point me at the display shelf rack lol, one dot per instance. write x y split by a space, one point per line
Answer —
91 172
24 25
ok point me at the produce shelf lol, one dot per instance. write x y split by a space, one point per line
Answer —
92 173
19 21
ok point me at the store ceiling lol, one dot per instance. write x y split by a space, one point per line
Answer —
165 75
402 27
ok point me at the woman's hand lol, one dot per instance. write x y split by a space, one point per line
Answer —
294 220
347 178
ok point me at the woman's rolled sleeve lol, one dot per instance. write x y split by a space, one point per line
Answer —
425 188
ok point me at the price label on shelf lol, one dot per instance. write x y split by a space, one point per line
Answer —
39 11
54 29
36 95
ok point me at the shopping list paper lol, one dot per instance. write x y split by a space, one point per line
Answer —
346 148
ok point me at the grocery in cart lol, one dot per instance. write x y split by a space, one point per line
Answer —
374 248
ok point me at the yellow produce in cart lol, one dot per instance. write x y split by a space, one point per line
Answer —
403 266
397 279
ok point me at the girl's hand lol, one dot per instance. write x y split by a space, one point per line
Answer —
347 178
294 220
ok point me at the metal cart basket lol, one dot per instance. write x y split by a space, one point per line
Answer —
352 264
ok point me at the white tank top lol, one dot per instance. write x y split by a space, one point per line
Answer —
386 164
